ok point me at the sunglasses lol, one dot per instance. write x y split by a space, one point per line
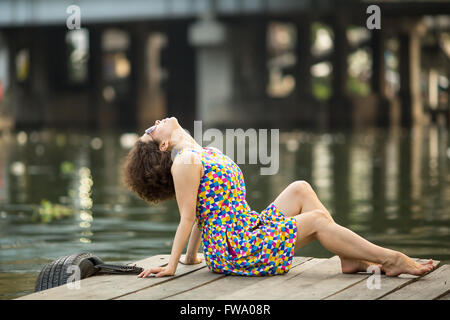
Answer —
150 130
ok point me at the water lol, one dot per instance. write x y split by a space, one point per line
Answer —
389 186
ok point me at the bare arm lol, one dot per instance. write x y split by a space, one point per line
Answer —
186 176
193 246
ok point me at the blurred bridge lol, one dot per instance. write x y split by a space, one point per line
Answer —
277 63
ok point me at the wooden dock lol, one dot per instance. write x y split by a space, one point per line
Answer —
309 278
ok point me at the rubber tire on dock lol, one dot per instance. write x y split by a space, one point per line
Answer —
57 272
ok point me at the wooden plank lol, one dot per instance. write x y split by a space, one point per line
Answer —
89 284
262 288
237 291
322 281
167 289
112 286
308 279
361 290
316 283
227 285
428 287
188 282
303 274
445 296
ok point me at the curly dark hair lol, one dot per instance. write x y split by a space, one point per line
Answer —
146 172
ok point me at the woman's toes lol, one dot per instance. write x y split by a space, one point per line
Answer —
426 268
429 264
430 261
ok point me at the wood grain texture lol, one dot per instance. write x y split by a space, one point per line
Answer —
228 285
270 286
428 287
368 289
308 278
110 286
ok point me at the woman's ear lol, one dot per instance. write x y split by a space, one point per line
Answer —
164 145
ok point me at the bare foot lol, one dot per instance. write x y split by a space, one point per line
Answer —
400 263
353 266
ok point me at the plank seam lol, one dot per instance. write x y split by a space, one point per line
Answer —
132 292
398 288
155 284
442 295
353 284
222 277
393 290
412 280
314 265
200 285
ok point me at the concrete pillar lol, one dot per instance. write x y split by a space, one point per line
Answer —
312 113
13 48
448 96
96 81
406 94
255 47
39 72
304 58
147 90
133 114
26 108
378 80
6 119
181 66
39 66
248 54
341 108
410 95
378 65
12 81
339 58
214 70
4 61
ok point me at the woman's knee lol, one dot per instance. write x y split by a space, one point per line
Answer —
321 216
302 188
313 221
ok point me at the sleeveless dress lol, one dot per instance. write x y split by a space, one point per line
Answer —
237 240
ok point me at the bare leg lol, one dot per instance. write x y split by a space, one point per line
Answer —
315 222
346 243
299 197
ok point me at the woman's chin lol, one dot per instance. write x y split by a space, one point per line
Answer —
174 122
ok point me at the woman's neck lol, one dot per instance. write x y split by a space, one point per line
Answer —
181 140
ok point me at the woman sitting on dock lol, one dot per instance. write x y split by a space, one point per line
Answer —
166 163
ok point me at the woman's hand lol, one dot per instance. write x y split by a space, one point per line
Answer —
160 272
191 260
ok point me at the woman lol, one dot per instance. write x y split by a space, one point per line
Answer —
210 192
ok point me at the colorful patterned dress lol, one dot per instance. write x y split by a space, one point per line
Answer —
237 240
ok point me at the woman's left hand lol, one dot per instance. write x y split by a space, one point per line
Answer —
160 272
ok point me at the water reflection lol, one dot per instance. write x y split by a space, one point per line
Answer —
390 186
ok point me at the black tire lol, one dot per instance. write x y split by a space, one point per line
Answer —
56 273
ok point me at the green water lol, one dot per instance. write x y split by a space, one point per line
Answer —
390 186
